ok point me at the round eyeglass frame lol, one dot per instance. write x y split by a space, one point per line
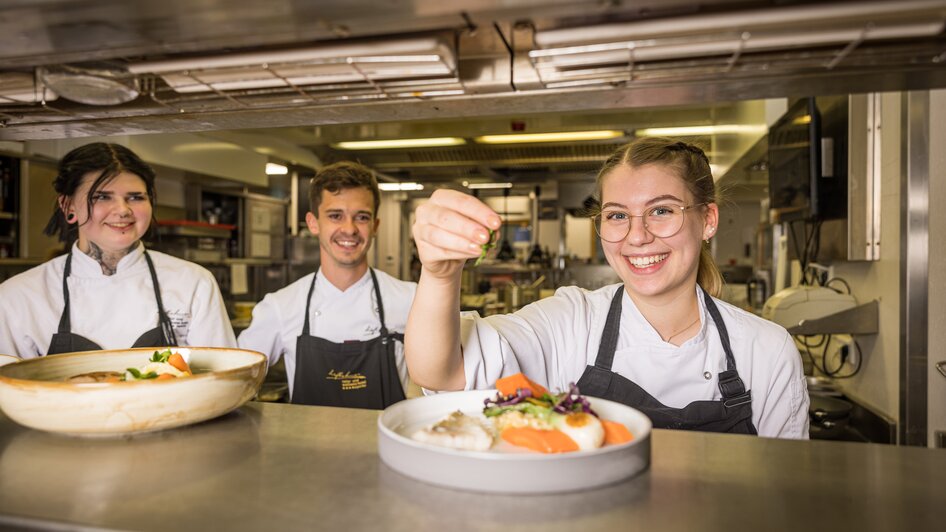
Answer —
596 220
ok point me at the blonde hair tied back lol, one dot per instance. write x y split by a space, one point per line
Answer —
690 163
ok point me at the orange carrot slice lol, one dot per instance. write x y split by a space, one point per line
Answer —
615 433
178 362
164 377
543 441
509 385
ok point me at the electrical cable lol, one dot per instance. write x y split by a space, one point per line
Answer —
823 368
840 280
804 340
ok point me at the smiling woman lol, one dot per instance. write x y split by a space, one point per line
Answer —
108 287
659 342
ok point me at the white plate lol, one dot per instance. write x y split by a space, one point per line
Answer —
33 392
500 470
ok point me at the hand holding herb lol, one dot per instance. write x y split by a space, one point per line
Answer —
485 248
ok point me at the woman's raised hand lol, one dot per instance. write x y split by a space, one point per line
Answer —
449 229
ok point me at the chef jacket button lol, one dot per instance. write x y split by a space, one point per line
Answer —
707 375
318 313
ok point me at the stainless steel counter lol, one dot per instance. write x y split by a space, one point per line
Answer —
285 467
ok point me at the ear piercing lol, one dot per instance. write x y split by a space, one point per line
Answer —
71 218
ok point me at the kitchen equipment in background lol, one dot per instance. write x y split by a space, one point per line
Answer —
264 224
791 306
829 417
757 292
194 241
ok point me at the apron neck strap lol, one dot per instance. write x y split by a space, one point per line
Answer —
720 327
65 326
730 384
612 326
308 300
377 294
609 338
163 319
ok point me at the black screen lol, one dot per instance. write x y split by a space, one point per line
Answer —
808 161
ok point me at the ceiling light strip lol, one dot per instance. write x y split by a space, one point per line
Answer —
562 136
693 131
486 186
419 49
399 187
399 143
788 16
573 56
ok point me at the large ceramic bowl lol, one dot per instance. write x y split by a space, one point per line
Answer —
505 469
33 392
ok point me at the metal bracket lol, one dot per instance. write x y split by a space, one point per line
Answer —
862 319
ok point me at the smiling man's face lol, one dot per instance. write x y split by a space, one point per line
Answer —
345 225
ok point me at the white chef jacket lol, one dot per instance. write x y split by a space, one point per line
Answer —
112 310
553 340
335 315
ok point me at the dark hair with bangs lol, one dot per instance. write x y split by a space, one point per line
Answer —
340 176
108 160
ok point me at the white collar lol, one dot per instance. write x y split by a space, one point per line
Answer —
640 325
85 266
327 288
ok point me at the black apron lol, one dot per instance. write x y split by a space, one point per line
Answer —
731 414
65 341
351 374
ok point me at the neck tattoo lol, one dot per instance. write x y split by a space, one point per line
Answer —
683 330
108 261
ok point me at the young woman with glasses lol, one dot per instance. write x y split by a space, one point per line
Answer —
660 342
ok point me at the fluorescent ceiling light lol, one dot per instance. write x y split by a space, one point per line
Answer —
795 16
364 61
475 186
398 143
693 131
563 136
391 187
626 52
20 87
276 169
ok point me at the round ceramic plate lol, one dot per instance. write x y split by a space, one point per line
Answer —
34 393
506 469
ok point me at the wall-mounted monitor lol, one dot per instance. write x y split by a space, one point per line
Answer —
808 161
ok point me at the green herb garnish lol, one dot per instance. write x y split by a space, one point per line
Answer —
161 356
142 376
484 249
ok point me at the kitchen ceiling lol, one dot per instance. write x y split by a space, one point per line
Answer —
314 73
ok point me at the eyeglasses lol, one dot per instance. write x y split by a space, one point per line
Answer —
662 221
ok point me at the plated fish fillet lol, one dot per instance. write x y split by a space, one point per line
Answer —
457 431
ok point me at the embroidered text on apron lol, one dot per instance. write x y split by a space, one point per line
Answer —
731 414
64 341
356 374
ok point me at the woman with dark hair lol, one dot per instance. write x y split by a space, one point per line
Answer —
108 291
660 342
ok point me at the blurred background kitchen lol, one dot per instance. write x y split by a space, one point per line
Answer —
824 123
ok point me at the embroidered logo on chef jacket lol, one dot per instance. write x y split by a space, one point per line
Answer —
349 380
180 322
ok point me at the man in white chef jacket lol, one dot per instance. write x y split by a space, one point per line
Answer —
340 328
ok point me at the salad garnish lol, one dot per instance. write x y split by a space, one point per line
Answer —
542 406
